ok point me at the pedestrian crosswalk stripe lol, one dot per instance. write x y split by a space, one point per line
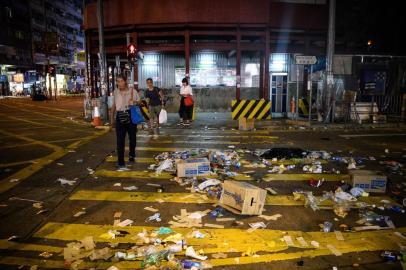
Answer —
241 177
279 162
197 198
10 245
237 240
163 135
153 175
306 177
137 159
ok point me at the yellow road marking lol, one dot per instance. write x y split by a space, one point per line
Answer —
137 159
222 240
55 264
152 160
63 119
127 196
24 138
32 143
213 136
267 177
152 175
5 165
306 176
42 162
4 244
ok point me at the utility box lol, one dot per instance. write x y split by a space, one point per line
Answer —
193 167
246 124
242 198
370 181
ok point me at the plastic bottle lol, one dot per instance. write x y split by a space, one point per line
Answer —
186 264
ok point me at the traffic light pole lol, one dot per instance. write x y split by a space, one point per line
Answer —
128 36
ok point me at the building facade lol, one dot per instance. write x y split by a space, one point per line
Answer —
229 49
40 33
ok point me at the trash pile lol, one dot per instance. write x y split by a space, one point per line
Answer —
156 249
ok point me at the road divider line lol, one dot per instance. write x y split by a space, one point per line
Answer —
239 240
59 152
197 198
152 175
244 177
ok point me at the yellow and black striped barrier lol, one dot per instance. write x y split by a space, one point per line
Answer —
251 109
145 112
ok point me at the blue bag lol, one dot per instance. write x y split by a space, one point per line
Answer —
136 115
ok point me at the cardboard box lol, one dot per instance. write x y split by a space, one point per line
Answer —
242 198
246 124
193 167
370 181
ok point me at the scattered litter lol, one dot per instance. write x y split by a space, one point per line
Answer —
37 205
153 185
117 185
339 235
302 242
79 161
46 254
255 226
326 226
64 181
80 213
315 244
216 226
280 153
271 190
14 180
90 170
224 219
151 209
130 188
124 223
155 217
59 164
273 217
190 252
219 256
22 199
288 240
334 250
164 230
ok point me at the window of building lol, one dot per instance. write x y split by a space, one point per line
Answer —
9 12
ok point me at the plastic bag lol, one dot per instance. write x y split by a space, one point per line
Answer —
163 116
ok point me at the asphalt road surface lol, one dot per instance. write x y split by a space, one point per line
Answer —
41 142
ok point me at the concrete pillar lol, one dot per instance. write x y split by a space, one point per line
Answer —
265 93
187 53
238 66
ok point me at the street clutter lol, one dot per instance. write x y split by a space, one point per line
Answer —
217 178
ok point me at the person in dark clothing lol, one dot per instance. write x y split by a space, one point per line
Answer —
123 98
155 100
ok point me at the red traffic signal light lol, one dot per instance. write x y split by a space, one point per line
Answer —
51 70
131 50
132 53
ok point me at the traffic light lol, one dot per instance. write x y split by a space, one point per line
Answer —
51 71
132 53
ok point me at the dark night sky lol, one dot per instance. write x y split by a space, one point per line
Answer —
383 22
